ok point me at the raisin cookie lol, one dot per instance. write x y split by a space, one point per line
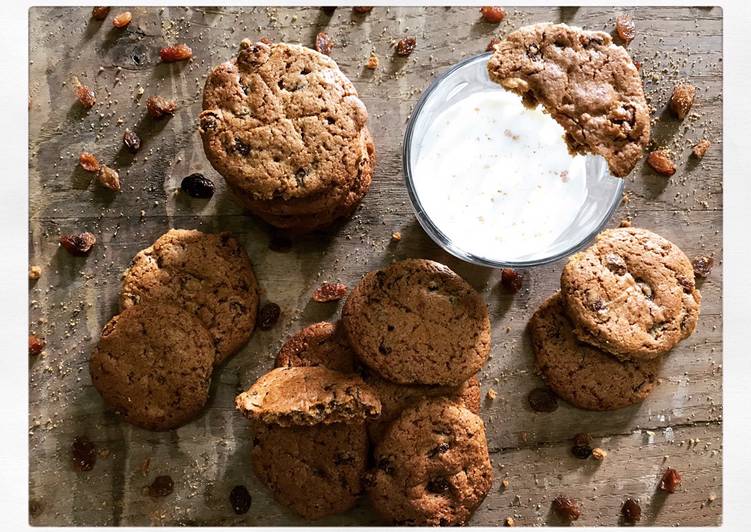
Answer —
632 293
582 374
418 322
314 470
589 85
153 365
432 466
321 344
308 396
209 275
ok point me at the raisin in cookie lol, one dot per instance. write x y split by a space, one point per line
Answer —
418 322
582 374
308 396
209 275
321 344
589 85
632 293
432 466
153 365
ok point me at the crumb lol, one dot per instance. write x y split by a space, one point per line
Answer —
396 236
505 483
509 521
491 395
626 222
373 61
700 148
34 273
599 454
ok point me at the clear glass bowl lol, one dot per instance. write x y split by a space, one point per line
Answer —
604 191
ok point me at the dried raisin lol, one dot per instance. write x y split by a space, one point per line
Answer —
493 14
86 96
36 345
100 13
511 280
631 511
373 61
78 245
132 141
625 28
682 99
701 148
179 52
542 400
494 41
566 508
268 315
661 162
324 43
88 162
329 292
670 481
159 107
406 46
197 186
702 266
109 178
122 20
240 499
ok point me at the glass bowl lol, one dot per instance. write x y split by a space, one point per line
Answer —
603 191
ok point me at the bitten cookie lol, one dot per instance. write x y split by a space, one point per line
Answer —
584 375
208 275
632 293
308 396
153 365
589 86
417 321
432 466
314 470
321 344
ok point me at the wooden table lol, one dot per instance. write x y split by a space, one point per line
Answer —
679 425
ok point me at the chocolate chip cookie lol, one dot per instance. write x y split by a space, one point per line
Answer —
632 293
589 85
153 365
314 470
208 275
321 344
417 322
308 396
432 466
582 374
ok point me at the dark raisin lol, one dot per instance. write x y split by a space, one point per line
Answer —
329 10
161 487
268 316
159 107
78 245
100 13
241 147
631 511
328 292
406 46
197 186
670 481
542 400
438 485
324 43
493 14
511 280
361 10
36 345
240 499
494 41
83 452
582 452
132 141
625 28
438 450
385 465
566 508
702 266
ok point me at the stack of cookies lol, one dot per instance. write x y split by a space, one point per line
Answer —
624 302
416 333
287 131
188 302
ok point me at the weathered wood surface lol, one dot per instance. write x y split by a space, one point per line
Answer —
75 297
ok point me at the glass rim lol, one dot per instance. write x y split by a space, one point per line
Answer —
432 229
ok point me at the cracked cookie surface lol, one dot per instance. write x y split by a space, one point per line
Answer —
589 85
632 293
209 275
418 322
432 467
582 374
320 344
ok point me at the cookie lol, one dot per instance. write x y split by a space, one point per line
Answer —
589 85
321 344
417 322
308 396
314 470
153 365
632 293
209 275
582 374
432 466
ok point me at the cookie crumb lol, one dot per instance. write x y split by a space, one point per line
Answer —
36 345
373 61
599 454
328 292
505 484
509 521
682 99
396 236
700 148
491 395
35 272
626 222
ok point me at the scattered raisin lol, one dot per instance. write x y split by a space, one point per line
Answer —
494 41
324 43
158 106
197 186
132 141
78 245
109 178
122 20
566 508
329 292
161 487
88 162
511 280
36 345
582 452
438 485
661 162
493 14
373 61
86 96
361 10
631 511
268 316
179 52
406 46
700 148
682 99
670 481
542 400
625 28
83 452
100 13
240 499
702 266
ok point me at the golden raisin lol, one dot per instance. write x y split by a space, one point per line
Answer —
701 148
122 20
36 345
493 14
661 162
682 99
329 292
86 96
100 13
625 28
373 61
670 481
88 161
158 106
109 178
324 43
179 52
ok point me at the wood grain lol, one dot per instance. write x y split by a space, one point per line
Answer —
75 297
